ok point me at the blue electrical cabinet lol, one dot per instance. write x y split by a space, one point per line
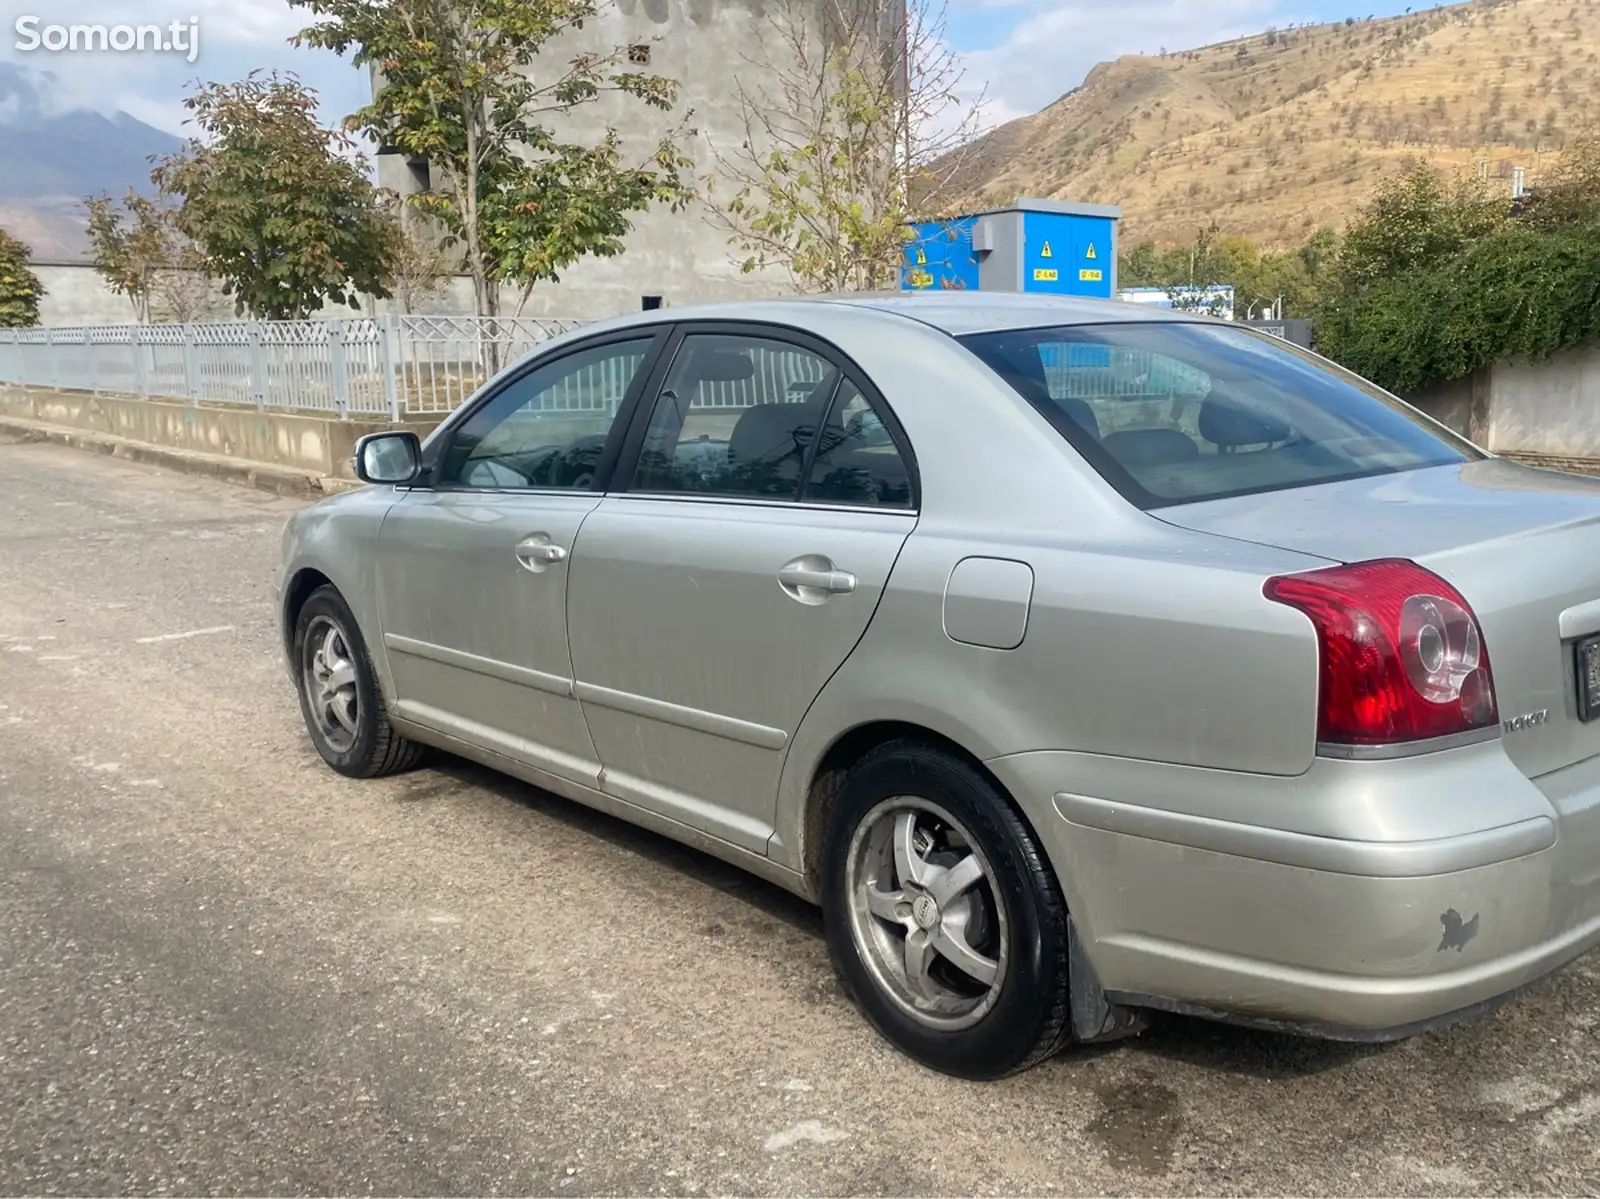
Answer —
1049 247
940 256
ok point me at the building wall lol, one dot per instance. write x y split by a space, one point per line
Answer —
75 294
1550 408
1546 412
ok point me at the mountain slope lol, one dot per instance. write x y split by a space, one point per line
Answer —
53 159
1278 133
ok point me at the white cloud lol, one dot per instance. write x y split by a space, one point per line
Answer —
235 38
1048 52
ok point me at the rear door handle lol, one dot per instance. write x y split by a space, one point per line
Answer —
537 552
813 578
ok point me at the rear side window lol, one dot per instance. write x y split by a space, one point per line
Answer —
1173 413
857 461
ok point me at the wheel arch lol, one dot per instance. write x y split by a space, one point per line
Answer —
845 752
296 591
1093 1016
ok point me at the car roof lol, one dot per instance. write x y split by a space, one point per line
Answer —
959 312
952 312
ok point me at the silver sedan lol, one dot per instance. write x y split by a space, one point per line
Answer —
1080 660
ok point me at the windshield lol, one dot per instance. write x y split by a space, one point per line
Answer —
1173 413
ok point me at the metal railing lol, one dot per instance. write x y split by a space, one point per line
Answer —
394 366
420 366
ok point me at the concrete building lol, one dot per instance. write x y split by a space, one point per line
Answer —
709 47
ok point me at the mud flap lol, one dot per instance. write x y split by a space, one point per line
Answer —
1094 1017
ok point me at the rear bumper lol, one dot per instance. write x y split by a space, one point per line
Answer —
1363 937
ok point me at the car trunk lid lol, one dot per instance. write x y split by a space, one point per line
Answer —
1522 545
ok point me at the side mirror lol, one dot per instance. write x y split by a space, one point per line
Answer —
392 457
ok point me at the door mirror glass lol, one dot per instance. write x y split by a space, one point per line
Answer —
388 457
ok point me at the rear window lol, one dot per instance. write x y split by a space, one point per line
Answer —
1174 413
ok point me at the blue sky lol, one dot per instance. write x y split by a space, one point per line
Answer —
1022 55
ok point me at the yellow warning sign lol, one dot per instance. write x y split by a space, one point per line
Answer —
922 258
1089 276
1041 275
1045 253
1091 255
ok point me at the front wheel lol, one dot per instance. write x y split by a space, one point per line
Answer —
339 693
943 917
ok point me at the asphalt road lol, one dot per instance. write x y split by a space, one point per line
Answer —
225 969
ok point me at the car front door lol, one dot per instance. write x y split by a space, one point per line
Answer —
735 571
472 571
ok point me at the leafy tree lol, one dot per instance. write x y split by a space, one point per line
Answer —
280 209
1569 194
464 88
1141 266
20 289
1300 280
853 126
132 246
1418 219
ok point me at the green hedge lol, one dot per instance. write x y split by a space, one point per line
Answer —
1520 293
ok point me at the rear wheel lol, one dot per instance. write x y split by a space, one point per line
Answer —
943 917
339 694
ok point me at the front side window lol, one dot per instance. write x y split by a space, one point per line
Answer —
1173 413
547 427
735 417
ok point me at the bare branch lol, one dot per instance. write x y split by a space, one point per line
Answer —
848 130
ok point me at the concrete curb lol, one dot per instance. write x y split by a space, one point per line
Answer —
280 480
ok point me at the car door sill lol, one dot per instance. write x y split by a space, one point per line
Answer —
755 863
738 830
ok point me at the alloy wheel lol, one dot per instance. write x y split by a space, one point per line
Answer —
329 678
924 913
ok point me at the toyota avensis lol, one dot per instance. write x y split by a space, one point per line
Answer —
1078 659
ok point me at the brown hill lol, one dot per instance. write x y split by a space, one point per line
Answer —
1278 133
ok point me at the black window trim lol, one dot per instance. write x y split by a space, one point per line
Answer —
656 334
621 476
1117 476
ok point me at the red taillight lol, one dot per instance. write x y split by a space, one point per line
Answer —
1402 657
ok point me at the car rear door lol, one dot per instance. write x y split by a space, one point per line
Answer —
472 570
734 569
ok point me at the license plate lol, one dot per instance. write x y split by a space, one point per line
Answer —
1589 679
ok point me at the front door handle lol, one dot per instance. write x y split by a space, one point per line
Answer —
813 579
536 553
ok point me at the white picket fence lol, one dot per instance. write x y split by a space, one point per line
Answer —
393 366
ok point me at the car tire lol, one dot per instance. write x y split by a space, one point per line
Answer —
1009 924
339 694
